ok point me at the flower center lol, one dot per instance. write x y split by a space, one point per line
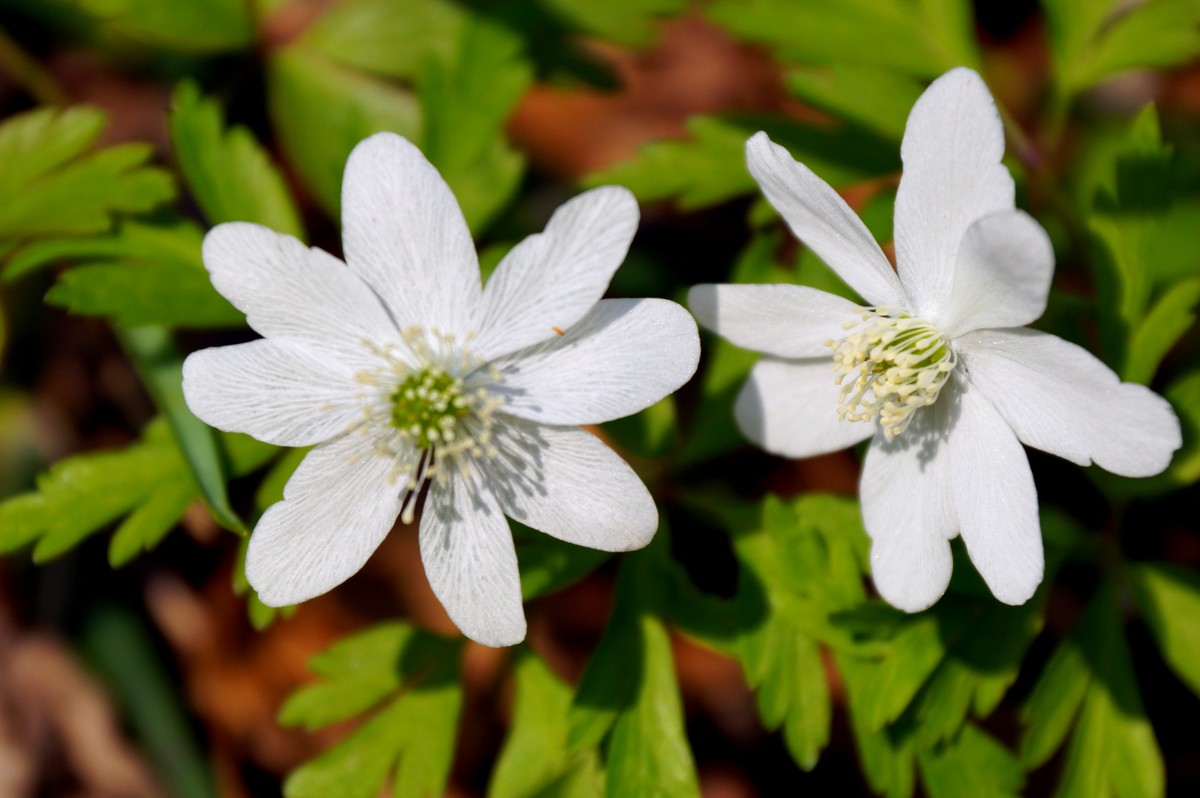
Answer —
428 405
432 398
890 366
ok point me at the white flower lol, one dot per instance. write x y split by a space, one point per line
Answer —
939 369
405 372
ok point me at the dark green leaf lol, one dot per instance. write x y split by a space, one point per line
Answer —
874 98
228 172
393 38
1169 598
628 22
1158 331
972 764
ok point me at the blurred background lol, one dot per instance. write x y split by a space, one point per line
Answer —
133 662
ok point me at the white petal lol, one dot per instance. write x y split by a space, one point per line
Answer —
789 408
405 235
952 148
288 290
908 510
781 320
1002 277
566 482
280 391
824 222
336 509
1059 398
467 549
622 357
995 500
553 279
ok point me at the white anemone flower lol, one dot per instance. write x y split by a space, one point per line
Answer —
939 369
405 372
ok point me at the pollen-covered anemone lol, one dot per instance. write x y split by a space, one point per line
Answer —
940 371
412 380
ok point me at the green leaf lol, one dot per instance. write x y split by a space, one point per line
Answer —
974 763
1095 39
410 738
148 524
188 26
876 99
886 755
534 760
548 564
55 186
392 38
1169 598
627 22
710 167
1112 748
320 110
1158 331
922 38
466 104
161 369
228 172
647 753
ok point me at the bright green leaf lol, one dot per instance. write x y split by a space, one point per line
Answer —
874 98
54 186
974 763
392 38
534 759
228 172
628 22
1158 331
320 110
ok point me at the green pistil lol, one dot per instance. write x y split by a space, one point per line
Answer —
428 406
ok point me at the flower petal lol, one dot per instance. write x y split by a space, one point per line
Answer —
782 320
908 510
1002 277
952 176
566 482
405 235
1059 398
995 500
549 281
467 549
280 391
336 510
622 357
824 222
790 407
288 290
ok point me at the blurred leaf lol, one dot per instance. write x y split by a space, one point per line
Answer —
188 26
409 738
627 22
1169 598
548 564
1095 39
649 433
393 38
647 752
466 105
261 616
320 110
1112 747
710 168
161 369
228 172
922 38
1166 322
54 186
974 763
148 524
119 646
876 99
534 761
886 754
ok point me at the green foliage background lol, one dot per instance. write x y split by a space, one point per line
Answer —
969 698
